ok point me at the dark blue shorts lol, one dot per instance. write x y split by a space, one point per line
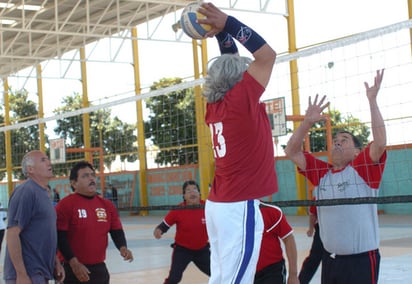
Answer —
362 268
98 274
274 273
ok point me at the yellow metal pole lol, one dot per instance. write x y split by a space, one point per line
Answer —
7 135
300 181
203 137
208 141
410 17
86 117
42 142
141 146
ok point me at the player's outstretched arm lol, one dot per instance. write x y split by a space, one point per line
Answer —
265 56
294 146
378 125
261 68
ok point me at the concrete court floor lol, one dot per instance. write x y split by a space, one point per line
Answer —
152 257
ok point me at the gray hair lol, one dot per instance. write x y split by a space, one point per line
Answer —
223 74
27 161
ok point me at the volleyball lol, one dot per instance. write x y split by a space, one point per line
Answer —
188 22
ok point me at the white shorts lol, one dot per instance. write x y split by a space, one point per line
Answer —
235 233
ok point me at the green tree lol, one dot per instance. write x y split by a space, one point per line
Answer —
23 139
349 123
113 135
172 124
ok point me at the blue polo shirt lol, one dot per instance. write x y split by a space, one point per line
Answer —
31 210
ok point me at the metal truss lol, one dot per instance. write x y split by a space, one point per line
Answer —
33 31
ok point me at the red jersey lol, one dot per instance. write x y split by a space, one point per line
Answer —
242 144
87 222
276 227
190 226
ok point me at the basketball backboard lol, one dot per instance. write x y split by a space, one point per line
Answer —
275 108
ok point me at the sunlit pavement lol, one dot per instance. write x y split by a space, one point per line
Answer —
152 257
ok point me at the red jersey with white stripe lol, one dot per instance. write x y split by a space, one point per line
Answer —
276 228
87 222
242 144
190 226
347 229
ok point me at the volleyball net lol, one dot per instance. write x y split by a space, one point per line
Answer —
161 122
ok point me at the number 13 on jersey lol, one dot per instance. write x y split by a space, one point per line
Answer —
218 140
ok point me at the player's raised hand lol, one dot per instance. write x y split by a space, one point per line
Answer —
372 92
215 17
315 109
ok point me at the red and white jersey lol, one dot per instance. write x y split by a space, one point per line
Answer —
87 222
276 228
347 229
242 144
191 230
